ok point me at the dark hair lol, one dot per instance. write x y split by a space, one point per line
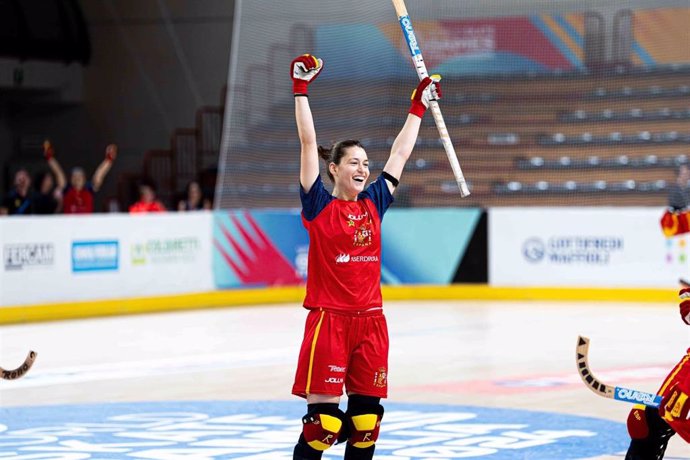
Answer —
336 153
147 182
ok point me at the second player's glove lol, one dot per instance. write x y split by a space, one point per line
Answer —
429 89
676 405
685 305
111 152
303 70
48 150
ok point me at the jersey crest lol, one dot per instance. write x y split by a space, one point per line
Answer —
363 234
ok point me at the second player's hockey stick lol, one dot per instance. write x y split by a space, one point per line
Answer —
13 374
605 390
416 52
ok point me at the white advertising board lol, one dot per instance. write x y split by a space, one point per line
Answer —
65 258
584 247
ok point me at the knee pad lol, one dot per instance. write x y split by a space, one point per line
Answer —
364 415
321 426
637 423
649 433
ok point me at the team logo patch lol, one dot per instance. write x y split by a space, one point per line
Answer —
363 234
380 377
269 429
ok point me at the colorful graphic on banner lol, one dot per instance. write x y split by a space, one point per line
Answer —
459 46
92 256
661 36
267 429
269 248
258 248
544 42
515 44
425 246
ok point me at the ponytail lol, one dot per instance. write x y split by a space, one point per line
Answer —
336 153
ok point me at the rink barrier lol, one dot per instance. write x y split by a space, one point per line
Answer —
292 295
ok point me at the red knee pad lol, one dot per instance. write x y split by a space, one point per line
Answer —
364 414
364 430
637 423
322 426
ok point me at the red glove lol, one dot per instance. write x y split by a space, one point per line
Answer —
685 305
303 70
428 89
111 152
676 405
675 223
48 150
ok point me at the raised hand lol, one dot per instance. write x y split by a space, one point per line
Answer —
429 89
111 152
48 150
303 70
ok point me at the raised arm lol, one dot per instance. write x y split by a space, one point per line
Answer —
54 165
428 89
304 69
104 167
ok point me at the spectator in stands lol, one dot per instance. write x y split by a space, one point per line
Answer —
78 195
195 200
49 184
48 196
147 200
679 191
19 200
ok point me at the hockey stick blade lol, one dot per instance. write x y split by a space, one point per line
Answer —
605 390
21 370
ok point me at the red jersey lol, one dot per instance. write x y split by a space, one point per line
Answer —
140 206
344 265
78 201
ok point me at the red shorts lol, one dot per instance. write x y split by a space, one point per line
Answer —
343 349
680 375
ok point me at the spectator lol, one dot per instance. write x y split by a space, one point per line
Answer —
78 195
195 200
48 196
147 200
679 191
19 200
49 185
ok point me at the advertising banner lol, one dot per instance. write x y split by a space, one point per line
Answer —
583 247
65 258
270 248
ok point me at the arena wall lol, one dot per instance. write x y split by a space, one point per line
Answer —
67 267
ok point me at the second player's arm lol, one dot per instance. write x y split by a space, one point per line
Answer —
104 167
309 154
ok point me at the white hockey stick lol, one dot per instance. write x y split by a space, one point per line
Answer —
13 374
418 60
609 391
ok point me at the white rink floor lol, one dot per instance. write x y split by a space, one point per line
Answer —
459 353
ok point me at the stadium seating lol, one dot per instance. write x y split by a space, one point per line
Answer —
560 139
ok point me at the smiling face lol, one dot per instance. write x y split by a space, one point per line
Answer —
147 194
351 173
78 178
194 192
22 181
